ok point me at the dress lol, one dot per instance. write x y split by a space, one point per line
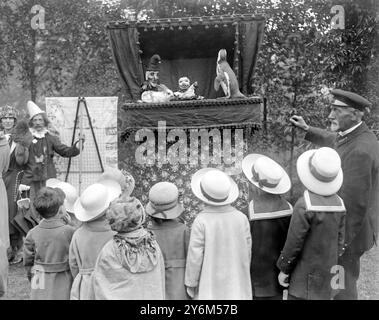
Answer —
12 179
4 163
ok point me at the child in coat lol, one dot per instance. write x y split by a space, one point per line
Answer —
130 266
269 215
219 253
46 250
316 233
172 236
93 234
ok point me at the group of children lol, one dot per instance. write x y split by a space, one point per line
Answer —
100 246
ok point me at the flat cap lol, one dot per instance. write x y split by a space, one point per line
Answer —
349 99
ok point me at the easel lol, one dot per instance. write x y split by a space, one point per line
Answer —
79 115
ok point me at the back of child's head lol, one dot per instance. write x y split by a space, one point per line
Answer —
47 202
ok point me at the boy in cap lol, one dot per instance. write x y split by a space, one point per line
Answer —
316 232
172 235
93 234
46 250
219 253
269 215
359 151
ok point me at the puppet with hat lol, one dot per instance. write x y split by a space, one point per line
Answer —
269 215
152 89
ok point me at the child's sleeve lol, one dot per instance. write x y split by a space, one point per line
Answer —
297 232
29 253
195 254
72 257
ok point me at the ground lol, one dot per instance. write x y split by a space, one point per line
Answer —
368 286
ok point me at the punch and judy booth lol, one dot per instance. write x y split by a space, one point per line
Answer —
172 139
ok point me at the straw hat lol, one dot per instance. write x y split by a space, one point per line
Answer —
71 195
320 171
163 201
214 187
266 174
125 179
33 109
52 182
95 199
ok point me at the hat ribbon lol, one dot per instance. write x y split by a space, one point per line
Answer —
160 207
262 182
318 176
210 198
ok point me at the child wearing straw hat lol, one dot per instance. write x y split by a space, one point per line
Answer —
219 253
124 179
46 250
172 235
269 215
130 266
316 233
93 234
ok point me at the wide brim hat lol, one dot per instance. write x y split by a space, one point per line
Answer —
124 178
311 182
163 201
282 187
71 195
52 182
33 109
197 190
95 199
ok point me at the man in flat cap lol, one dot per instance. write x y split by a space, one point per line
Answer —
359 152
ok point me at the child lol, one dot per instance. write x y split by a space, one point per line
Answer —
218 261
269 216
93 234
46 250
316 232
3 269
172 235
130 266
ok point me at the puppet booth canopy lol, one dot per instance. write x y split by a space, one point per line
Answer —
187 47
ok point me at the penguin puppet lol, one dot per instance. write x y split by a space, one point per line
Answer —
226 77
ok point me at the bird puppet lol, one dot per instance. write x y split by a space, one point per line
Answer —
226 78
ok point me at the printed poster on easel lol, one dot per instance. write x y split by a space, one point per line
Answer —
103 113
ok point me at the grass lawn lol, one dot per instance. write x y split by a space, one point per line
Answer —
368 286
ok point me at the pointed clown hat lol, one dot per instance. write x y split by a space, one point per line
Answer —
33 109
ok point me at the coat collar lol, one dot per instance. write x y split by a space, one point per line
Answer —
352 135
168 224
51 223
218 209
100 225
